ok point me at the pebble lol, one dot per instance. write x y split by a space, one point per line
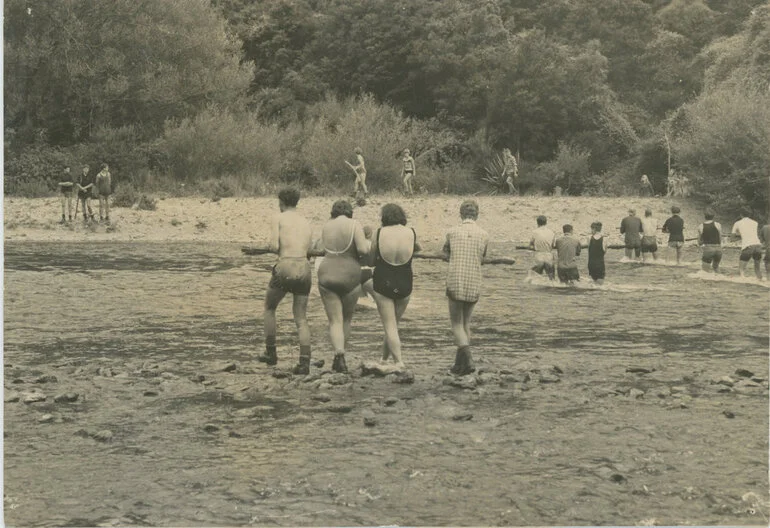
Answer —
103 436
338 379
640 370
635 394
82 433
547 377
744 373
230 367
321 397
281 374
324 386
488 378
663 392
464 382
390 401
343 409
726 380
168 376
210 428
729 414
318 363
150 393
234 434
32 397
11 397
678 390
46 418
198 378
47 378
462 417
107 372
405 378
68 397
370 420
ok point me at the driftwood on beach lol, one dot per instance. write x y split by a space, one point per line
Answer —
252 250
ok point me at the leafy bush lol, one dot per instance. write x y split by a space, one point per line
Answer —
34 171
125 195
147 203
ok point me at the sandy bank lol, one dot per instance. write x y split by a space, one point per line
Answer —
247 220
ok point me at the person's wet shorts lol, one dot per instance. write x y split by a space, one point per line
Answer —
568 274
751 252
649 244
633 242
292 276
675 243
712 254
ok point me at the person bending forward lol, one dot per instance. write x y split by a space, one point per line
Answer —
465 247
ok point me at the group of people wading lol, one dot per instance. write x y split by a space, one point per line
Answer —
380 263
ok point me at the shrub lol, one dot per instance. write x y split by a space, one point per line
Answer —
125 195
147 203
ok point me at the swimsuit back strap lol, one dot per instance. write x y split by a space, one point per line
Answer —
350 243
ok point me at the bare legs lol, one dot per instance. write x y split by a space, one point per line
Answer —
391 311
104 208
743 264
339 311
66 204
408 183
299 308
460 313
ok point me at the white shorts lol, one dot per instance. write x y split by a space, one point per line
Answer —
543 257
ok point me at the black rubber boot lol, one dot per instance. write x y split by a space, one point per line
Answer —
339 365
270 357
303 367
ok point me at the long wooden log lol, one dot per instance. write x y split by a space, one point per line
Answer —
251 250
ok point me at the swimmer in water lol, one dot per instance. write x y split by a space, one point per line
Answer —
291 239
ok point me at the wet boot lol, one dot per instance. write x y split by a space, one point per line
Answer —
339 365
270 356
303 367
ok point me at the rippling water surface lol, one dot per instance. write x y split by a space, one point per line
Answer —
532 453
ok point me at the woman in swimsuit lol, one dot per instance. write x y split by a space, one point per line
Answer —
339 275
407 171
392 250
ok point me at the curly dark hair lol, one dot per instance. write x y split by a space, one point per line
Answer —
469 209
392 214
289 196
342 208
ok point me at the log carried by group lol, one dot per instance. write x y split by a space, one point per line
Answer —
253 250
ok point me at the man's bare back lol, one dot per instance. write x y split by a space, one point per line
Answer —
291 235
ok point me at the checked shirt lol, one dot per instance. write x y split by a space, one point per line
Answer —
466 245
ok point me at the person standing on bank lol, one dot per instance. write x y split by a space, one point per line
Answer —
66 186
103 188
465 248
360 169
391 253
710 240
751 249
510 170
674 226
407 171
339 275
84 186
631 227
291 239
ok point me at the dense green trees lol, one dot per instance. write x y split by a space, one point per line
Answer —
144 82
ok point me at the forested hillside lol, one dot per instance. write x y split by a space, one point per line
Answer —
236 96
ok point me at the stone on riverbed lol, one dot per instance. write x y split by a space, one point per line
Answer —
229 367
103 436
11 397
370 420
375 368
337 379
68 397
744 373
635 394
640 370
33 397
46 418
321 397
404 378
390 401
47 378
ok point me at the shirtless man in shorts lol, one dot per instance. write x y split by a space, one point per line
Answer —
751 248
542 243
291 239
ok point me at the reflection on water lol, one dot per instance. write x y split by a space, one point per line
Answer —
196 304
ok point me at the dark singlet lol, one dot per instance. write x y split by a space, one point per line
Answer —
340 271
392 281
711 234
596 258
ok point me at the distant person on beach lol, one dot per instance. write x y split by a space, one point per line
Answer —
764 237
291 239
407 171
631 227
542 243
510 170
66 186
567 250
339 275
649 235
645 187
465 247
84 186
751 248
393 247
710 241
103 188
674 226
597 247
360 169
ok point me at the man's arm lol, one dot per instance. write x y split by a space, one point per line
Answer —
362 243
275 236
446 249
623 226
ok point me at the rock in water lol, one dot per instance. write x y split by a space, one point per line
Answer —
210 428
103 436
635 394
743 373
33 397
46 418
462 417
405 378
69 397
230 367
390 401
370 420
321 397
48 378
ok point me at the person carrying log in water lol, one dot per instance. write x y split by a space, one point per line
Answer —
710 240
465 247
291 239
542 243
631 227
751 249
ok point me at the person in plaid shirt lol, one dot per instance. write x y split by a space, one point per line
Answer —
465 247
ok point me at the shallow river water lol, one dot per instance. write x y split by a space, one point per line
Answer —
592 406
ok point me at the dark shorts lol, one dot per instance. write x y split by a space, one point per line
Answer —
649 244
633 242
292 276
596 270
767 255
712 254
751 252
568 274
66 190
675 243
